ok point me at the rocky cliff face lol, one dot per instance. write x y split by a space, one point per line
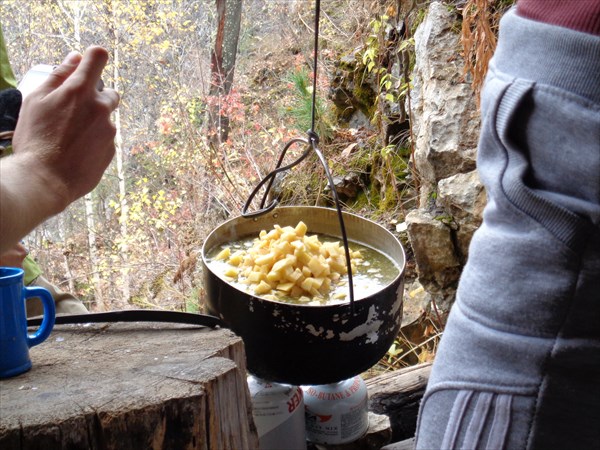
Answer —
446 126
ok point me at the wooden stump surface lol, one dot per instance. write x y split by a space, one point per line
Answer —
130 386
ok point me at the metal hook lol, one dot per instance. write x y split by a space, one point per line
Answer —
270 178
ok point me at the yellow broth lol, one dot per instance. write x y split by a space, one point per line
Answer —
374 272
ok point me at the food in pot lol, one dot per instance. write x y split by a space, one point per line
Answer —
287 264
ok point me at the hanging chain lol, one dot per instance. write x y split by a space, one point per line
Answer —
315 62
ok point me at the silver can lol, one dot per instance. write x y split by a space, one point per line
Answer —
278 411
336 413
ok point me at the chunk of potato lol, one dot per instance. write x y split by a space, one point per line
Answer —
232 272
237 258
262 288
273 276
302 255
288 261
295 275
296 291
224 254
285 287
264 260
256 277
301 229
336 265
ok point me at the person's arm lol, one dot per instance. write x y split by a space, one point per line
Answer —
62 144
13 257
26 198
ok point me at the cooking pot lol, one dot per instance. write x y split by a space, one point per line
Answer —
293 343
306 344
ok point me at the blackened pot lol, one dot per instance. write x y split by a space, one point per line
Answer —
302 344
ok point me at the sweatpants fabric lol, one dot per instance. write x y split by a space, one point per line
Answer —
518 366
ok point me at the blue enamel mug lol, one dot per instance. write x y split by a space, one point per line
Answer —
15 341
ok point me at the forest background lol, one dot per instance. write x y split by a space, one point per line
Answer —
209 98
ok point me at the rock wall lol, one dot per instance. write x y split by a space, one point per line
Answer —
446 124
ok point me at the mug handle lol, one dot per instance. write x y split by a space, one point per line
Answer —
42 333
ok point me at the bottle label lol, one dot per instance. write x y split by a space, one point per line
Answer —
338 413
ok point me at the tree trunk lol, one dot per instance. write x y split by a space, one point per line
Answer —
65 253
90 221
229 16
69 274
120 157
75 12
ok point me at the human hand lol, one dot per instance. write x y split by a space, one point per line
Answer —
14 257
64 130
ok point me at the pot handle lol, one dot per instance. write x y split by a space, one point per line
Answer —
137 315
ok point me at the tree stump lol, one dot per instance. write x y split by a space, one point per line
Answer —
130 386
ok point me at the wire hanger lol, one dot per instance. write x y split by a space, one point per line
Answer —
311 142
